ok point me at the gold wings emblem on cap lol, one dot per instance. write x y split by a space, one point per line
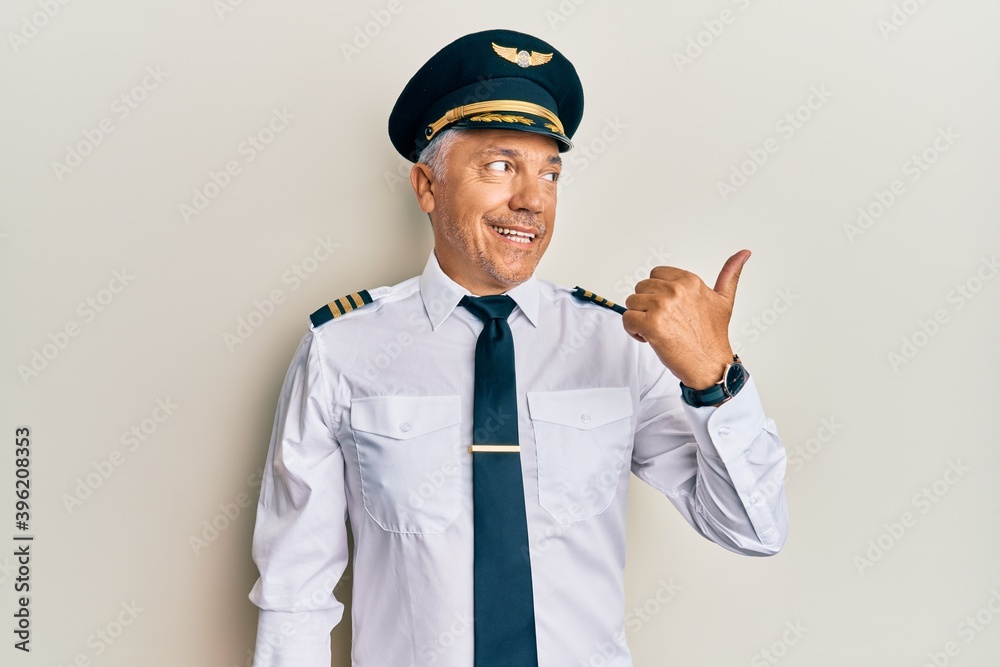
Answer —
521 58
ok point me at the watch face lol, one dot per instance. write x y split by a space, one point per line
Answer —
735 377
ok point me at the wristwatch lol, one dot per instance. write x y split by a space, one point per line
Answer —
733 379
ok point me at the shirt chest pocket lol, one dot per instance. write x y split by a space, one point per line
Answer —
581 440
409 455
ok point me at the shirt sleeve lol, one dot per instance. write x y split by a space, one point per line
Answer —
722 467
300 534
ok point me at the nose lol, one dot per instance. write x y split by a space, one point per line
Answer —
527 194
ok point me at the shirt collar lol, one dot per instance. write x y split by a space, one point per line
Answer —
441 294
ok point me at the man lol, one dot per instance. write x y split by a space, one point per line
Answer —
478 425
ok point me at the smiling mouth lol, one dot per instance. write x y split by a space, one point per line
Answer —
524 238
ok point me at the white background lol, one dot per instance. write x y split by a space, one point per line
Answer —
658 136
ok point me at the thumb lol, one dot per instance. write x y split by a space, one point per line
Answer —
729 277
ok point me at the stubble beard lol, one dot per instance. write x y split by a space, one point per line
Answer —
509 270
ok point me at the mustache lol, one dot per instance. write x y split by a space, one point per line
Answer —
517 220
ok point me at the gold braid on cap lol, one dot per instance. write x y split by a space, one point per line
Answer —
464 111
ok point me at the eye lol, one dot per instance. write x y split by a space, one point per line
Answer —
499 165
552 176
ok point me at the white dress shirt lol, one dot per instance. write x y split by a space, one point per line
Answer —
374 422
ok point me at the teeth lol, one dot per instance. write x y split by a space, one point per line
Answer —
514 235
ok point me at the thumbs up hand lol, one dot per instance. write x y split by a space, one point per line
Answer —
685 322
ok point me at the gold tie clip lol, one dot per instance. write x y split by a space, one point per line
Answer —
494 448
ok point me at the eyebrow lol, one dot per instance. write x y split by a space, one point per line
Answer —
513 153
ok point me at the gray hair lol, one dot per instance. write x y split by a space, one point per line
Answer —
433 155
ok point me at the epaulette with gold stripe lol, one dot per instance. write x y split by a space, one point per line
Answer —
587 295
341 306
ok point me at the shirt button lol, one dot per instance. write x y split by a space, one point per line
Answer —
404 426
585 418
723 431
753 500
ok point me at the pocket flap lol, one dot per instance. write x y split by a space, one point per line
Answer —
584 409
404 417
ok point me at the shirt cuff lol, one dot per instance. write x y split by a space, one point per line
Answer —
724 431
294 638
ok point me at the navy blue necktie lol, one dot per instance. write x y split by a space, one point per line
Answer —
504 618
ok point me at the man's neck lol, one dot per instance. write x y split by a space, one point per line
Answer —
478 288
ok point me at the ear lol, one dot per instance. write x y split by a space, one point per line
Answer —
422 180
